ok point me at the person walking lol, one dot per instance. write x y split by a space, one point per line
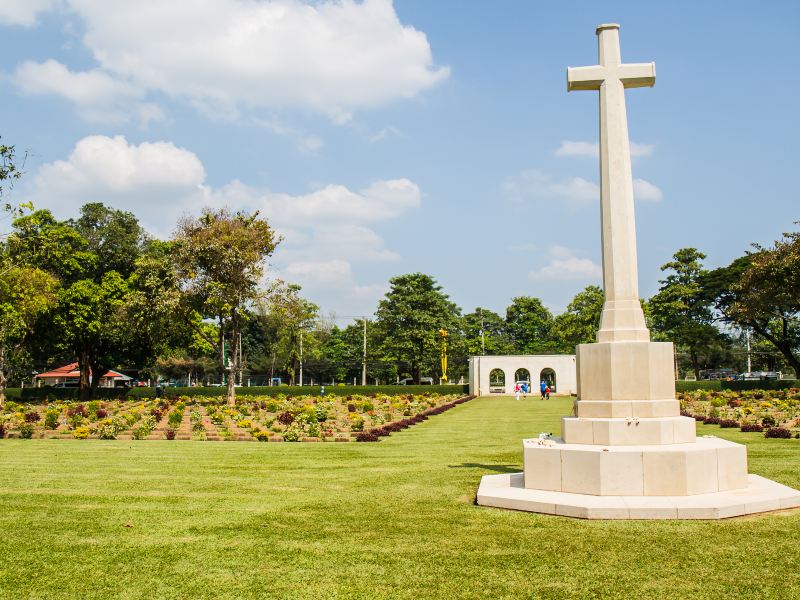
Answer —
525 391
547 393
543 387
516 392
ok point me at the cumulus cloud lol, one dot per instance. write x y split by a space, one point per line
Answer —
536 185
592 149
565 266
326 231
240 56
96 95
575 192
23 12
646 191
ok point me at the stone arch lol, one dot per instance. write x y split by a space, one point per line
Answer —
523 374
548 375
497 381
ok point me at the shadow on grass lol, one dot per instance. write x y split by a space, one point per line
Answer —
495 468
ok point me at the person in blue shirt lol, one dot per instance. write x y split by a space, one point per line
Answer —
543 388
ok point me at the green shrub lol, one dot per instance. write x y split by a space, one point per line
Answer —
768 384
261 436
26 431
292 434
51 418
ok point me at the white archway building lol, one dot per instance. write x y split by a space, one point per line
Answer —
485 373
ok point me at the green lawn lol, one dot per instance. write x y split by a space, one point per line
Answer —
395 519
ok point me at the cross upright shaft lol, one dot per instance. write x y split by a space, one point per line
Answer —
622 318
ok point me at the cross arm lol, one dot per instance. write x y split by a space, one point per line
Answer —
585 78
638 75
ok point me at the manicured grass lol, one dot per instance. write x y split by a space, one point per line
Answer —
394 519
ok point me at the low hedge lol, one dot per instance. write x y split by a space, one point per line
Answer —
33 394
690 386
765 384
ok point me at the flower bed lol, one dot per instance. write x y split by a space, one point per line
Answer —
277 419
750 410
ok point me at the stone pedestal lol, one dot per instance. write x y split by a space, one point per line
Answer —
629 454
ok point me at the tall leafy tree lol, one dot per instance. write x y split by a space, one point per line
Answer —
220 258
680 310
485 331
761 291
579 323
26 294
409 319
291 318
529 324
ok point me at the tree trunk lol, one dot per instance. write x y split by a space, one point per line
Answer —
85 369
232 362
417 370
695 365
98 370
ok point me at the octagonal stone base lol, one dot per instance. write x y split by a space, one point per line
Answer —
760 495
707 465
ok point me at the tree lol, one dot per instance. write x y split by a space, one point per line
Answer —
579 323
529 324
92 257
91 321
290 317
9 172
409 319
26 293
220 259
680 310
761 291
486 330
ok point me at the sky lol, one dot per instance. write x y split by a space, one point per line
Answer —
382 138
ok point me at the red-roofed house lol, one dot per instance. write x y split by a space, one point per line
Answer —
69 376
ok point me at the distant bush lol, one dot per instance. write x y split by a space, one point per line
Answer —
35 394
752 428
690 386
778 432
728 423
765 384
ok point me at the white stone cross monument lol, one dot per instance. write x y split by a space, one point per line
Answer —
628 453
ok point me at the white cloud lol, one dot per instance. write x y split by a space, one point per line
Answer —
95 94
533 184
326 231
592 149
565 266
23 12
386 133
575 192
646 191
233 57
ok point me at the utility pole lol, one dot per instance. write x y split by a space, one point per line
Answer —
747 337
364 359
483 341
301 357
240 358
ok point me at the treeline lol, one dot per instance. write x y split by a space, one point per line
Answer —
198 308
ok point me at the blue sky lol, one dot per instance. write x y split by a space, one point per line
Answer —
383 138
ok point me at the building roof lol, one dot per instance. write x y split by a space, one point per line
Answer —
71 371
